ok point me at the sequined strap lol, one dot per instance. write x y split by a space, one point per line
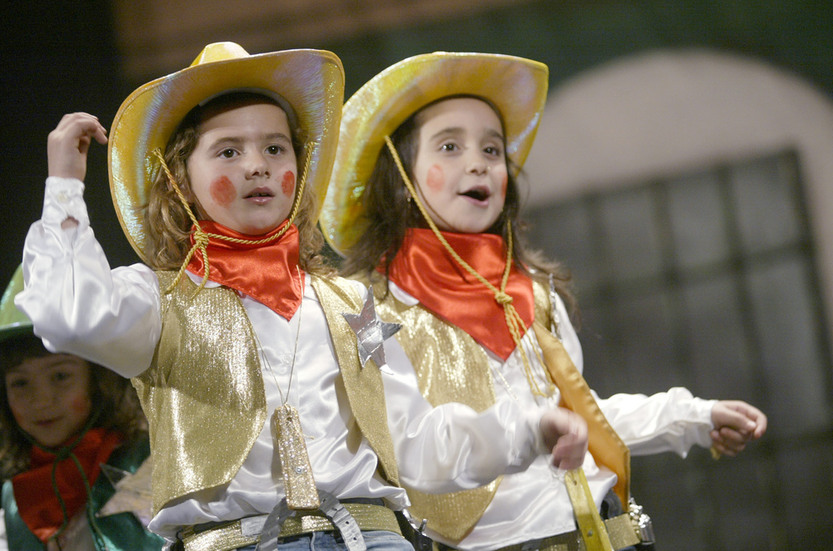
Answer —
604 443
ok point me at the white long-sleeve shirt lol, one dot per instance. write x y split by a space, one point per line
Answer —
79 305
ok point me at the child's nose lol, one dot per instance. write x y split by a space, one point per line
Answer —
256 165
42 396
477 166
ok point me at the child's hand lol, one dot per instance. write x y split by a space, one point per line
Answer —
565 434
68 144
735 424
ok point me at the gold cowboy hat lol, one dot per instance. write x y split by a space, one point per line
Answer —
310 81
13 322
517 87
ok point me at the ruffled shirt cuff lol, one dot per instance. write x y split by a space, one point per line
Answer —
64 198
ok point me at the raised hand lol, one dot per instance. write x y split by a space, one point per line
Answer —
68 144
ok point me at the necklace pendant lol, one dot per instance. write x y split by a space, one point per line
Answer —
299 483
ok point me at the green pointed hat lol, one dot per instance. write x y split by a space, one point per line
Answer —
13 322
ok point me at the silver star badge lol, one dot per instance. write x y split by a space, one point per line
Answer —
371 332
133 493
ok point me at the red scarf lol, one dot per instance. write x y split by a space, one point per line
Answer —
267 272
36 500
424 269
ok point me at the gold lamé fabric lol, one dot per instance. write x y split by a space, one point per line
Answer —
543 307
298 481
203 395
364 386
451 367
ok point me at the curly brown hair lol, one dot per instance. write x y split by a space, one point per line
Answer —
166 221
114 398
389 213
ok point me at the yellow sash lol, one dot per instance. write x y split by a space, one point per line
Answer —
605 445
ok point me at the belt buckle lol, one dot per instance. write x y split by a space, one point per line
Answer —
331 509
641 522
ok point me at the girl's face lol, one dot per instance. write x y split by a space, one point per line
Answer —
460 166
243 169
50 397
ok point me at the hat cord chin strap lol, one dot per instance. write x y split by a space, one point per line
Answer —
203 238
513 320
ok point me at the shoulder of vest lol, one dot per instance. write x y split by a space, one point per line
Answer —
18 535
165 276
338 288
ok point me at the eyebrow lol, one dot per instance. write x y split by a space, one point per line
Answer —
236 140
457 130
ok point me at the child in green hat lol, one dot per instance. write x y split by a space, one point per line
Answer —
62 418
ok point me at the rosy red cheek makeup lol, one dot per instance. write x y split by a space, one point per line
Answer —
222 191
288 183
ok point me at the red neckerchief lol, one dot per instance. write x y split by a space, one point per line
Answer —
424 269
36 500
267 272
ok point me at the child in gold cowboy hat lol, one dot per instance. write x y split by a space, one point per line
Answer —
424 203
259 370
61 418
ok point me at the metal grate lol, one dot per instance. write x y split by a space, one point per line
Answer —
708 280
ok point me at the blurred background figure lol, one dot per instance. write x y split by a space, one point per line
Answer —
63 422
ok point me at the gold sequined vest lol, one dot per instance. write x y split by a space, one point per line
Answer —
452 367
364 387
203 393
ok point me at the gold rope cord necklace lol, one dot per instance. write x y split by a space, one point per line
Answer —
299 483
202 238
513 320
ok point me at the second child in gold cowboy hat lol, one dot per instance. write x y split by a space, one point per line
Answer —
424 203
263 376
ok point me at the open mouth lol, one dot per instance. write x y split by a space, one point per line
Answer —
477 193
260 193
